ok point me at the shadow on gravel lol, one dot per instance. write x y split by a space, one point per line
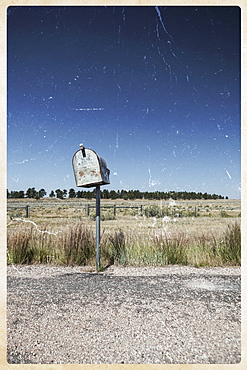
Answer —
100 286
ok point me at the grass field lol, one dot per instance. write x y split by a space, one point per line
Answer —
198 233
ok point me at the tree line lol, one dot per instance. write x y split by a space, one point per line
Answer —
111 194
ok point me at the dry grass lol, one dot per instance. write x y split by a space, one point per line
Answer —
62 234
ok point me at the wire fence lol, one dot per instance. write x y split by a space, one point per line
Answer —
65 208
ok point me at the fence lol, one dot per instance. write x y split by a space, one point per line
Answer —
17 209
114 207
168 212
26 209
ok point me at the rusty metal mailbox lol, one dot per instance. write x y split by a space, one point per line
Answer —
89 169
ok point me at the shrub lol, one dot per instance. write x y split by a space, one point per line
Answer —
104 216
153 211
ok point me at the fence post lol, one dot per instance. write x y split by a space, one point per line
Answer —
114 209
141 209
88 209
27 211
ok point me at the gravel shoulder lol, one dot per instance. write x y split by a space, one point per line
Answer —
133 315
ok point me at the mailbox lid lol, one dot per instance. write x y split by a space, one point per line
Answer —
89 169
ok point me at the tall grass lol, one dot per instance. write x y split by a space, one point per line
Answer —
75 245
117 243
230 247
173 249
27 246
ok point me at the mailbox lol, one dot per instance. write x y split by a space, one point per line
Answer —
89 169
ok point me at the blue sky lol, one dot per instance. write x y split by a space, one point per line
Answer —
155 91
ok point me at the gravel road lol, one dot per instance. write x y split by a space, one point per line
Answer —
123 315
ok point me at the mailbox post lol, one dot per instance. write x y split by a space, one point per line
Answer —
97 227
91 170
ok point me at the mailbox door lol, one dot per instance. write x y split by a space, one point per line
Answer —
105 172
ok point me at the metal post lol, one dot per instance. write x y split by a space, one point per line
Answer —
97 227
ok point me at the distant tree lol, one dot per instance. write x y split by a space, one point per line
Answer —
131 195
92 194
124 194
11 194
105 194
78 194
59 193
72 193
113 194
16 194
31 193
21 194
52 194
42 193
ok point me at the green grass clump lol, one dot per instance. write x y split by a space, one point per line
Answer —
172 250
